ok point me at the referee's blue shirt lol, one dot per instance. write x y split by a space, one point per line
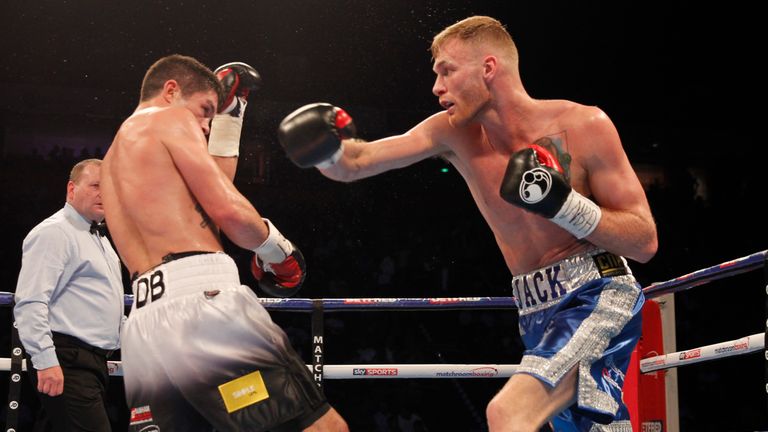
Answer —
70 282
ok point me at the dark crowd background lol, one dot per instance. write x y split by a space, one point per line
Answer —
677 80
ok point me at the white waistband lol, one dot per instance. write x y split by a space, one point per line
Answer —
191 274
540 289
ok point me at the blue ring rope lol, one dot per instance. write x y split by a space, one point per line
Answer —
690 280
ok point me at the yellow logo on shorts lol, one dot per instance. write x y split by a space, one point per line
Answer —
609 265
243 391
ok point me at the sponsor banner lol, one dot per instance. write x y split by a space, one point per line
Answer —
370 300
140 415
735 346
273 300
480 371
484 371
449 300
690 354
652 426
658 361
375 371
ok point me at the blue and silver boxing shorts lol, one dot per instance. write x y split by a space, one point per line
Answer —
200 352
584 312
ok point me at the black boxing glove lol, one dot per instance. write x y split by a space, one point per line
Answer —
238 80
534 181
278 265
311 135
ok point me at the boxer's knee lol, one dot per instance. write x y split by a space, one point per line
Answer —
505 418
329 422
514 408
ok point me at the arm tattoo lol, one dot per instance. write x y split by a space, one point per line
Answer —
206 221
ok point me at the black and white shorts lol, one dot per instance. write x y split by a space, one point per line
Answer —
200 351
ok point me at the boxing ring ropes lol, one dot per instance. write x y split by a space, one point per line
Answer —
643 382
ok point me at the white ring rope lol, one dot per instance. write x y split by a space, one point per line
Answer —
741 346
358 371
745 345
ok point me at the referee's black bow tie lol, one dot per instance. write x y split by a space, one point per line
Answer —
98 228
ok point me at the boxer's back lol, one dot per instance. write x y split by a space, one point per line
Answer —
149 209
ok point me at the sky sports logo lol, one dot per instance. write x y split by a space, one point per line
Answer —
692 354
374 371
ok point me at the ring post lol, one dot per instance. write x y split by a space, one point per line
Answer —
317 341
645 394
765 350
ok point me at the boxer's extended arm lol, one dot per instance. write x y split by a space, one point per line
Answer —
363 159
626 227
321 135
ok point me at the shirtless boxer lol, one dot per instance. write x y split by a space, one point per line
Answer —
199 350
556 188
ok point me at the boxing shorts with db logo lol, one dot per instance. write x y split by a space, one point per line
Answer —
200 352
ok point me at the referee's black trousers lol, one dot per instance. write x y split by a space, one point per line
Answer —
81 407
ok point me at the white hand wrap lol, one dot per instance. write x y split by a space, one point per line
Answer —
275 248
333 159
224 139
578 215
